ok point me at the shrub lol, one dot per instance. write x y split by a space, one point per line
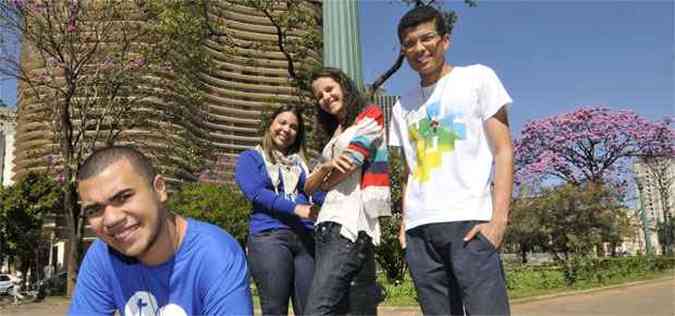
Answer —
585 271
221 205
389 254
535 277
605 270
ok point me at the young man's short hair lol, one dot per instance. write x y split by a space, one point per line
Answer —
419 15
100 159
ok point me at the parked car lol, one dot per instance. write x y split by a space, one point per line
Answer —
6 284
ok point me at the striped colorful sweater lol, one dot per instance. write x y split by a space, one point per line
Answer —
368 149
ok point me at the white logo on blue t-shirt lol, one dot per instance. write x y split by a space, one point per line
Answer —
144 304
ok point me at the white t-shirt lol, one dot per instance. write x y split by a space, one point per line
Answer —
440 129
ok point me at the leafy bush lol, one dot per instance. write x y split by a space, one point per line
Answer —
23 206
585 271
389 254
535 277
604 270
221 205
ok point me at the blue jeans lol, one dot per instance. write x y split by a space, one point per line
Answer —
450 274
344 279
282 265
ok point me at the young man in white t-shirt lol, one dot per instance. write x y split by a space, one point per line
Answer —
452 130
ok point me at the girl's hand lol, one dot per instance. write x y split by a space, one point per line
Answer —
343 164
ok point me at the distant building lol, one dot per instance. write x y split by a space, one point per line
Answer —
387 103
634 242
7 131
7 128
656 195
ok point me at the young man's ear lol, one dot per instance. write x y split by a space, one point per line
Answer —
445 41
159 184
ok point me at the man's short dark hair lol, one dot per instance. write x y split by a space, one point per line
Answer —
100 159
419 15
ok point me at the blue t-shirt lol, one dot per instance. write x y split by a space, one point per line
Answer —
271 210
207 276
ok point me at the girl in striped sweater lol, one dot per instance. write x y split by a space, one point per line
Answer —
355 175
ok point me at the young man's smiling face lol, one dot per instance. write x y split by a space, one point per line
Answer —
125 209
425 48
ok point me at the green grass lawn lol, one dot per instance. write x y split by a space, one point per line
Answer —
404 294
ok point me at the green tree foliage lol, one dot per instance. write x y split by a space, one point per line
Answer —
23 206
524 232
574 219
220 205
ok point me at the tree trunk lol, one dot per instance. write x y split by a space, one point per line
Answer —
523 254
74 237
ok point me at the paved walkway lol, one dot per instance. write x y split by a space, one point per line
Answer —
653 298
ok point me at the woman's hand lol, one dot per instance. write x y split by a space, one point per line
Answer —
305 211
317 176
343 164
325 167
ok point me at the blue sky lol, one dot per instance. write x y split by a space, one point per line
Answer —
552 56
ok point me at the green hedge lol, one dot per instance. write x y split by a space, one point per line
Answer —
528 280
219 204
535 277
585 271
606 270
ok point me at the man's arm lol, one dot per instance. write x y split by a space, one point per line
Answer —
404 185
499 137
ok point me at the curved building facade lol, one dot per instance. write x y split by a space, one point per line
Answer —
248 75
248 79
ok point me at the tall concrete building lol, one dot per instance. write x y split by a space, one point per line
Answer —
656 191
247 81
249 75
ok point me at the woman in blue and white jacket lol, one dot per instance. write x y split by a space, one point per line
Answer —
281 243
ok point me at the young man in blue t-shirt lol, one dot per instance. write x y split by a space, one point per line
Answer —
146 260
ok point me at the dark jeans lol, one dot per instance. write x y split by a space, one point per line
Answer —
344 279
282 266
449 272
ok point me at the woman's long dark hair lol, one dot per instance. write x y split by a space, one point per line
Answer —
298 145
353 100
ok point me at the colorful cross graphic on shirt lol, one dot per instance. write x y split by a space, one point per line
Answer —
433 136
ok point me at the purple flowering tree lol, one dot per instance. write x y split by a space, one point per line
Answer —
591 144
98 71
591 149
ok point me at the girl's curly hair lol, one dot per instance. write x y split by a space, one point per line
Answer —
353 100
